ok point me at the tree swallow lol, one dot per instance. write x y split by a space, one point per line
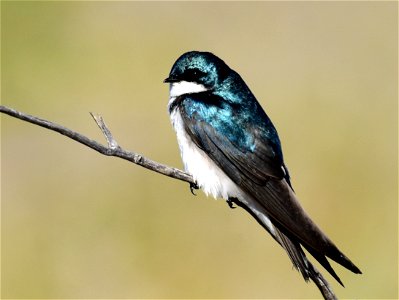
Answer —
232 149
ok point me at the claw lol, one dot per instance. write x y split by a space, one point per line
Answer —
193 186
230 203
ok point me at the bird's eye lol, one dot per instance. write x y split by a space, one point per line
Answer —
194 74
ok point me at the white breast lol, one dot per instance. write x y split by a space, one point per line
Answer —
205 172
209 177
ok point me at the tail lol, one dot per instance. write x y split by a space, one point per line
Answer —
295 253
305 267
299 259
321 283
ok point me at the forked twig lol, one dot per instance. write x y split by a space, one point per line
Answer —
112 150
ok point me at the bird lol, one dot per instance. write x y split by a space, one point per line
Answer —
231 148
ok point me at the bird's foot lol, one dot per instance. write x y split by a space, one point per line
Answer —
230 202
193 186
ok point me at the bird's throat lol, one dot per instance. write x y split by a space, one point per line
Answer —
185 87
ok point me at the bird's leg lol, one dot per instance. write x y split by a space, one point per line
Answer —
193 186
230 202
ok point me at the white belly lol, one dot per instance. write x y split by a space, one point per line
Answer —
209 177
205 172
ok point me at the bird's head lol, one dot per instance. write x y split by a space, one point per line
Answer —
196 72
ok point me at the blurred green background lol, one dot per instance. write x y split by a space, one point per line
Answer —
76 224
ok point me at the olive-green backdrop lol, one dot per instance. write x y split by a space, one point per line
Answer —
76 224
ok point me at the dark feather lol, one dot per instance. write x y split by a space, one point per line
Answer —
297 256
257 168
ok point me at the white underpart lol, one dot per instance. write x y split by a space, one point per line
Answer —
185 87
205 172
209 177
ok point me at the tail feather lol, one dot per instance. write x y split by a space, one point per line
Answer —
324 262
284 210
306 268
337 256
321 283
297 255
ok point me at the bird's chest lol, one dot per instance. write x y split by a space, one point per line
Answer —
196 162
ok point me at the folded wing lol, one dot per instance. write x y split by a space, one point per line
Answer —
257 167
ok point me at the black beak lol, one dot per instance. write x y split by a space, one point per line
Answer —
170 79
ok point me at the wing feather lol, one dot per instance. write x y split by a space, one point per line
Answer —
257 168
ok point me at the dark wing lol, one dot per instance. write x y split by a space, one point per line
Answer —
296 254
259 171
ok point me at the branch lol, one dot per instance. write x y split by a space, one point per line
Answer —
322 284
114 149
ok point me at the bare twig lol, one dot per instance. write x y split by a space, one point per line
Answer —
114 149
321 283
107 133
